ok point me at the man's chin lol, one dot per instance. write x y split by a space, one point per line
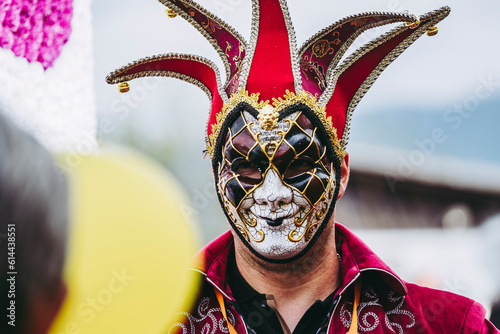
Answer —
278 249
266 260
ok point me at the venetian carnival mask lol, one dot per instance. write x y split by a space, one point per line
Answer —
279 125
276 173
276 181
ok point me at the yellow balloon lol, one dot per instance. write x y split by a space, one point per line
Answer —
129 247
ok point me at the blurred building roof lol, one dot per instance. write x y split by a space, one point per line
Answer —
400 165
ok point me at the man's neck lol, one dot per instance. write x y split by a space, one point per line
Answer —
296 285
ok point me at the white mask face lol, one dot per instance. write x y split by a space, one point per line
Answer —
277 185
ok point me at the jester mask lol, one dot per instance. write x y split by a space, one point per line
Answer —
278 127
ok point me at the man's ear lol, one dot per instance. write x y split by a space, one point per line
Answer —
344 179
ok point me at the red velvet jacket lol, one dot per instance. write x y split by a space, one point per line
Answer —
387 303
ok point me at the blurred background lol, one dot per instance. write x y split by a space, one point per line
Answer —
424 191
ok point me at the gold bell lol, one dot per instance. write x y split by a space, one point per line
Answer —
123 87
170 13
432 31
414 24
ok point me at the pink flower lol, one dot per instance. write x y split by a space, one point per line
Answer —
19 47
36 30
7 39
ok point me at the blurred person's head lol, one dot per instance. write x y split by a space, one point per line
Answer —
33 211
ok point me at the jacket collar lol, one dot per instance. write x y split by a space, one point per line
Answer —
357 258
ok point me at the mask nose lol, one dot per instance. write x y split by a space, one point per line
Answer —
273 193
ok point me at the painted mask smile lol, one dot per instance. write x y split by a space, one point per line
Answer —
276 182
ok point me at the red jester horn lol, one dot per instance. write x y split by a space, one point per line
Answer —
271 69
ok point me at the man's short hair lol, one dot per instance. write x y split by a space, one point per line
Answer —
33 198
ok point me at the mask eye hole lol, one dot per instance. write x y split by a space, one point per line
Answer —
298 167
246 169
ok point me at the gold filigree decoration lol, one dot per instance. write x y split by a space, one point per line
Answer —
237 98
294 236
229 213
243 232
323 47
210 26
243 228
359 22
322 212
270 148
308 99
229 208
289 99
261 235
268 118
252 223
309 231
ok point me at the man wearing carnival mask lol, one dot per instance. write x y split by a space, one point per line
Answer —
277 135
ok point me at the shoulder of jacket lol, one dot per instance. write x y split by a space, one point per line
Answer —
439 310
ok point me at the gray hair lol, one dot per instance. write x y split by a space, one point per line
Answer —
33 197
